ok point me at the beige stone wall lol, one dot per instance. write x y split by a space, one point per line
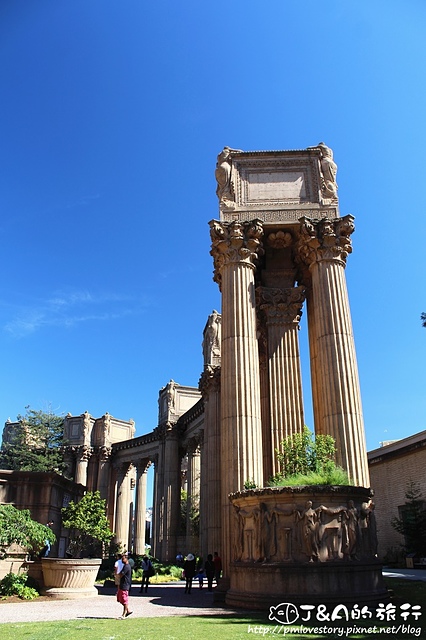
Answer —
390 473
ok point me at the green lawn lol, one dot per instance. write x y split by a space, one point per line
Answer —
219 627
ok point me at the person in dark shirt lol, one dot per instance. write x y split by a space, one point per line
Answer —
189 568
124 587
209 569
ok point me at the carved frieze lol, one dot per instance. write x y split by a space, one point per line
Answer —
276 527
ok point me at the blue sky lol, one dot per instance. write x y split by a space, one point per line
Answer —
112 114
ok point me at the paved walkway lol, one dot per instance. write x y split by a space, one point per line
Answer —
162 600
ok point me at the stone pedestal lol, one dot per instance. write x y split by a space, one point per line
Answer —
304 545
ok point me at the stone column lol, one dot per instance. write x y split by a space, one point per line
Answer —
324 246
104 454
283 308
140 513
193 490
123 504
83 455
211 505
235 248
171 494
155 524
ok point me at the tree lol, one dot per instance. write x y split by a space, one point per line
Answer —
16 525
301 453
423 319
90 523
35 443
412 523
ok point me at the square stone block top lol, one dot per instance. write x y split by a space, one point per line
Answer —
277 186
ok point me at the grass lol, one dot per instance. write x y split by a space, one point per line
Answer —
217 626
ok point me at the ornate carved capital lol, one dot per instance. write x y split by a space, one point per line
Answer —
143 465
104 453
281 306
325 240
209 381
235 243
83 453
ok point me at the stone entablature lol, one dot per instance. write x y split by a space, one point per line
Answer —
277 186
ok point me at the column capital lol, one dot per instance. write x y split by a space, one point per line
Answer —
209 380
281 306
83 452
235 243
325 240
104 453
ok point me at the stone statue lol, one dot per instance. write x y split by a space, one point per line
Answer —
86 428
223 175
329 171
309 519
368 529
211 342
350 531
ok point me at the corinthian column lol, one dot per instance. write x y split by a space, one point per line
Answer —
123 505
140 513
235 249
83 455
171 494
324 246
283 308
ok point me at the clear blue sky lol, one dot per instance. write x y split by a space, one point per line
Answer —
112 114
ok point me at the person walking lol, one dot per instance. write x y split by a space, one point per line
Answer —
209 569
124 587
189 569
147 572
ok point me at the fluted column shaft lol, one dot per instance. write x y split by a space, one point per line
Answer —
325 247
171 495
211 507
155 524
235 250
140 513
123 505
104 471
283 308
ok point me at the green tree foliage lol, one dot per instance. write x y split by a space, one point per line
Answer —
91 527
35 445
16 525
412 523
14 584
194 513
423 319
303 457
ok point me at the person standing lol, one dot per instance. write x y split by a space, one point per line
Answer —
217 566
147 572
209 569
189 568
124 587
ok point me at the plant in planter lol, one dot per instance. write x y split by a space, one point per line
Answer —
305 460
88 520
17 526
74 577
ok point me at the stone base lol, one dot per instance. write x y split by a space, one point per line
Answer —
62 593
261 585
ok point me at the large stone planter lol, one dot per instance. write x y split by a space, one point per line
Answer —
304 545
69 579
